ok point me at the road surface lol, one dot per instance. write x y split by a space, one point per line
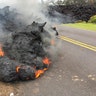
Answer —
73 72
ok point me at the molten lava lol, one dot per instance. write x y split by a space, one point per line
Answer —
1 51
38 73
46 61
52 42
17 69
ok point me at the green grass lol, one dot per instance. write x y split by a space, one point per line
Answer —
86 26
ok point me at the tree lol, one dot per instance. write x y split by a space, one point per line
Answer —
68 2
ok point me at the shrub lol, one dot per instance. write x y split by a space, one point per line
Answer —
92 19
80 21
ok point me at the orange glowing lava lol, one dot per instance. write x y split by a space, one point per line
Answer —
17 69
46 61
45 69
52 42
1 51
38 73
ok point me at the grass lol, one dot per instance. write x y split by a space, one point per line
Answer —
86 26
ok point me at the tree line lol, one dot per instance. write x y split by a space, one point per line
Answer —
69 2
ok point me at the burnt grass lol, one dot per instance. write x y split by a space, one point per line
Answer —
79 12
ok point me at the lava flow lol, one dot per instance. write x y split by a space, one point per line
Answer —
26 51
47 62
1 51
39 73
52 42
17 69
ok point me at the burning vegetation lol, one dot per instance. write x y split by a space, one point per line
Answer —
24 56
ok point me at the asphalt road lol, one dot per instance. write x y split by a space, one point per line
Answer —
73 72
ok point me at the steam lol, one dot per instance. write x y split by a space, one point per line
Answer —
35 10
3 34
29 11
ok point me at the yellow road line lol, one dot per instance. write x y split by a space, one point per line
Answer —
79 42
90 47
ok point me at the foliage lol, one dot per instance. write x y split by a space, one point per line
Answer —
69 2
80 21
85 26
92 19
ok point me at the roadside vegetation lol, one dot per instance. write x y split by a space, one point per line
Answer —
92 19
85 26
81 13
75 9
90 25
